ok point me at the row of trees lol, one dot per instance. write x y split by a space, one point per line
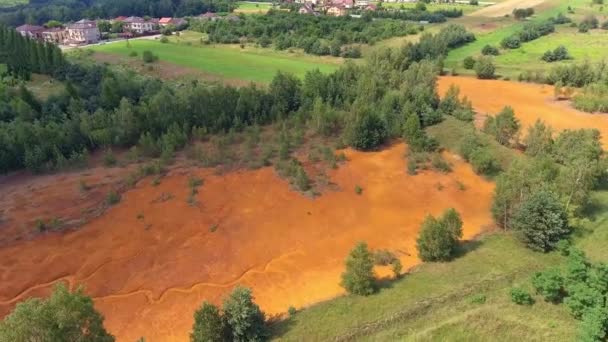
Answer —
363 104
319 35
23 56
39 12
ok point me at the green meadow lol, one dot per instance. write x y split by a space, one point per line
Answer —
227 61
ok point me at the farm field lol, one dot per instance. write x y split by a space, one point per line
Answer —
288 248
512 62
232 62
466 8
530 102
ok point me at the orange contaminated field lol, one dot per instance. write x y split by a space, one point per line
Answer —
529 101
152 259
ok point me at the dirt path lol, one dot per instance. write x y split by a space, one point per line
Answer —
149 263
530 102
506 7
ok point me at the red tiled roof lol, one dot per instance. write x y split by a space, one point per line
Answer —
165 20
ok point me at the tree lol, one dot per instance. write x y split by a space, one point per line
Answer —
539 140
369 132
149 57
468 62
542 221
359 275
489 50
484 68
208 324
64 316
438 238
504 126
244 317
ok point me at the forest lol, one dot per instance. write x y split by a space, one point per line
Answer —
41 11
101 108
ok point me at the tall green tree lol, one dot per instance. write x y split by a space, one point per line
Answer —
64 316
438 238
244 317
209 325
504 127
358 277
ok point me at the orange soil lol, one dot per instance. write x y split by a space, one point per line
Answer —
149 274
529 101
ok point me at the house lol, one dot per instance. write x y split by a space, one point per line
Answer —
208 16
362 3
138 25
55 35
370 7
336 10
30 31
165 21
307 9
82 32
119 19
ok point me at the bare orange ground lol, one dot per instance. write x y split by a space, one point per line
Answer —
529 101
148 275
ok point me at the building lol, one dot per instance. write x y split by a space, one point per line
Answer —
138 25
362 3
208 16
370 7
165 22
30 31
82 32
336 10
307 9
55 35
177 22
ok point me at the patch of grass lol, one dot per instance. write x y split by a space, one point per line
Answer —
227 61
252 7
112 197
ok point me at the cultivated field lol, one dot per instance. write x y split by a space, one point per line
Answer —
287 247
226 61
466 8
253 7
505 7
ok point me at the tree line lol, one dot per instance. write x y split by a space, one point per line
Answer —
319 35
42 11
362 104
23 56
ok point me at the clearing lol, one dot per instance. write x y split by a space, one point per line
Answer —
248 228
248 7
226 61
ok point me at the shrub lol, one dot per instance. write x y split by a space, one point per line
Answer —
521 297
440 164
133 53
521 13
108 158
560 53
438 238
396 267
490 50
292 311
549 284
359 275
478 299
468 63
149 57
164 39
483 162
504 127
358 190
369 132
605 25
473 2
511 42
484 68
112 197
541 221
384 257
590 21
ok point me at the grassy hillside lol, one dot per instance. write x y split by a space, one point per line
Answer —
467 299
249 64
582 46
10 3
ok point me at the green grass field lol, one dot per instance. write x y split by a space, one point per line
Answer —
511 63
466 8
227 61
437 301
253 7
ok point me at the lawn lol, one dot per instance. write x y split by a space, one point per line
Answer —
467 299
253 7
512 62
226 61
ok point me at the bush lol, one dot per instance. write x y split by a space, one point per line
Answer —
292 311
521 13
605 25
468 63
560 53
478 299
511 42
484 68
521 297
359 275
108 158
541 221
549 284
112 197
504 127
490 50
149 57
438 238
483 162
473 2
590 21
369 132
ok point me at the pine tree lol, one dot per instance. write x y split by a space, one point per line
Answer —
359 275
